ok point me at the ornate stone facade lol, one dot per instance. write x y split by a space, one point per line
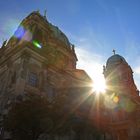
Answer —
39 59
37 55
122 100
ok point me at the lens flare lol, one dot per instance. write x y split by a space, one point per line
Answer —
36 44
27 36
23 34
128 105
112 101
19 32
99 85
116 99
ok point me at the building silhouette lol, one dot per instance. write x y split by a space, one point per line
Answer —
39 59
122 100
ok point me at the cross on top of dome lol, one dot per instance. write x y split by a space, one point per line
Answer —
114 51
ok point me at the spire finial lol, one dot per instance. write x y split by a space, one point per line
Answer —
114 51
4 43
73 48
38 11
45 13
104 68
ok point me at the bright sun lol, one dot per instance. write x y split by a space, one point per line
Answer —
99 85
93 68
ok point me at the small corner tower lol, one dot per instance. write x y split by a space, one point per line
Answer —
119 76
123 100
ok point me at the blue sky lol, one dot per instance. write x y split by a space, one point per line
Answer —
96 27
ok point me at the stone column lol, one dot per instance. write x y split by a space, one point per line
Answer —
123 135
22 73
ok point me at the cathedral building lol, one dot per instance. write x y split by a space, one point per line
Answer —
122 100
39 59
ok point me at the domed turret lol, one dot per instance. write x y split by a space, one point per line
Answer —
115 60
119 76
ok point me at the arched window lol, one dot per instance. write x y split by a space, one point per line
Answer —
33 79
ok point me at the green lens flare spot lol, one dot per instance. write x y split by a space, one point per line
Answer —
36 44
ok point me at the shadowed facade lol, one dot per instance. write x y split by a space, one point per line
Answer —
122 100
39 59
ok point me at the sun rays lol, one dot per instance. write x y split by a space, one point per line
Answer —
99 85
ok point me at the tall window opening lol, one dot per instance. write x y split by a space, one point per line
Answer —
33 79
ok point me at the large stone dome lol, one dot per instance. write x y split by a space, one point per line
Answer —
115 59
41 24
36 27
